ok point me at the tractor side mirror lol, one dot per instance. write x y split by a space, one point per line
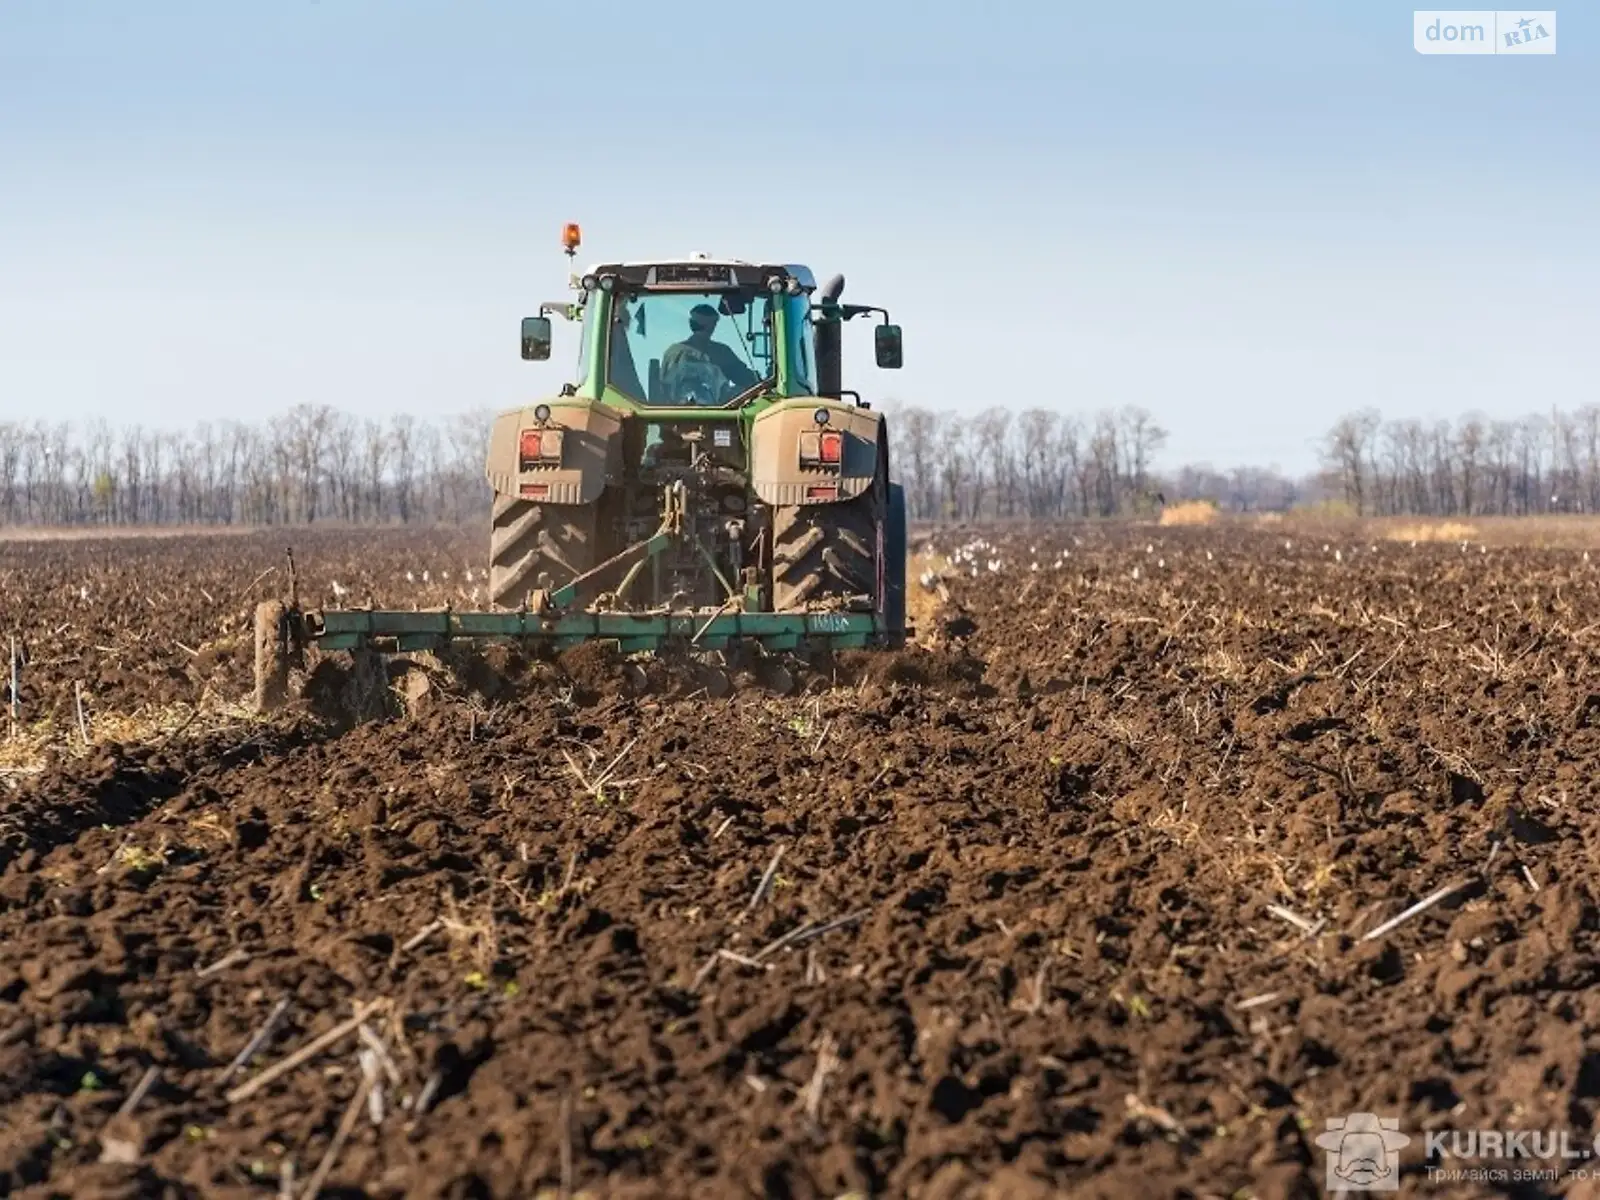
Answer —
886 342
536 338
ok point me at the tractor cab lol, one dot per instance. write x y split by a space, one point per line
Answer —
693 333
703 333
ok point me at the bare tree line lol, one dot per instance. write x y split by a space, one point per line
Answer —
310 464
1474 466
314 463
1043 464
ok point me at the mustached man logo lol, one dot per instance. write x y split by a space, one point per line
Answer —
1363 1153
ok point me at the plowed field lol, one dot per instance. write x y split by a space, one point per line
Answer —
1091 894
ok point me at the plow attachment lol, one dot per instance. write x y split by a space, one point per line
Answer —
774 647
357 629
740 635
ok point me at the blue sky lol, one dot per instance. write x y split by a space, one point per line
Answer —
1246 217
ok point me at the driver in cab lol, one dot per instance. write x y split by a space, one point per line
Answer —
698 350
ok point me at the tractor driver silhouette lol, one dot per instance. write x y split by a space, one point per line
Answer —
698 369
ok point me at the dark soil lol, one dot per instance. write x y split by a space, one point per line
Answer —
1026 867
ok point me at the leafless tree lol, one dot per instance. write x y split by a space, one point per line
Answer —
403 442
313 464
375 467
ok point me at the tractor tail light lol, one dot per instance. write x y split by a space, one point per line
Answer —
821 446
539 446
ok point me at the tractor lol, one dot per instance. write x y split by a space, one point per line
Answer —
702 485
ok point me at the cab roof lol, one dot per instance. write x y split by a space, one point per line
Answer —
797 271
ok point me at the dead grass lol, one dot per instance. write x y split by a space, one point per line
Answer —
1565 531
26 750
24 753
1437 531
91 533
1191 512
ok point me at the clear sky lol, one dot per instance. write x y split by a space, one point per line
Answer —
1246 216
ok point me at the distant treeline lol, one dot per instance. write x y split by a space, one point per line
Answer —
1043 464
310 464
1474 466
1036 463
314 463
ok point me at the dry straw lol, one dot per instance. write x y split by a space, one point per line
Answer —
1192 512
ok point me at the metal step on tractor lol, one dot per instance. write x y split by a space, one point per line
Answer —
703 487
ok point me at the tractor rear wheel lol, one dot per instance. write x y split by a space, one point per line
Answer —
529 540
825 552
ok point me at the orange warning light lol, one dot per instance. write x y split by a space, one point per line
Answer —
571 238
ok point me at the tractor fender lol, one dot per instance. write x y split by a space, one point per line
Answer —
591 452
776 474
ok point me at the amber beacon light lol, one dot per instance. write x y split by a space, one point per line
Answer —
571 238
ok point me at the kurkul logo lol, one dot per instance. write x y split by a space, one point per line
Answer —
1363 1153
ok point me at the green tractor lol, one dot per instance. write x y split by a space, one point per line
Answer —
703 484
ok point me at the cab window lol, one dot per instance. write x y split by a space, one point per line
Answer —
690 348
798 335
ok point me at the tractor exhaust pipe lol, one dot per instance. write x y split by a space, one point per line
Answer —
830 345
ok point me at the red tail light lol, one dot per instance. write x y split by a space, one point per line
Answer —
821 446
539 446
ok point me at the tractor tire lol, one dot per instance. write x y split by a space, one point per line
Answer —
528 540
825 555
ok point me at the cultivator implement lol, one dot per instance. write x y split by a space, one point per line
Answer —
775 651
632 633
721 646
721 651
